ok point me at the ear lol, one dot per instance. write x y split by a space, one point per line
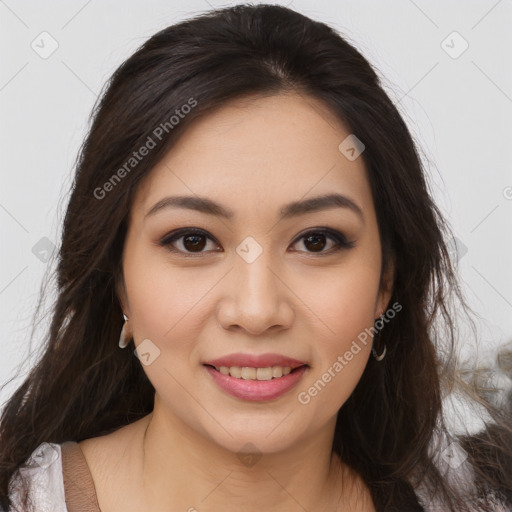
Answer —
385 290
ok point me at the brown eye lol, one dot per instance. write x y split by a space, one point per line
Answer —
316 241
187 241
194 242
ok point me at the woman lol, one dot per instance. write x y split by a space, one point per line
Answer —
249 210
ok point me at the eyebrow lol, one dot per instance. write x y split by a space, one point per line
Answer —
210 207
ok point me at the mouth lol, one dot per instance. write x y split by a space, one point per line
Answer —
256 384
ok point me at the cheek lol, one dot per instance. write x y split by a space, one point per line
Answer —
169 303
165 303
345 301
346 308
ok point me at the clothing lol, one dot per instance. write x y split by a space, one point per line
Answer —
49 488
60 480
43 469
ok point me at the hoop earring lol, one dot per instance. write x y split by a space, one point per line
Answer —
374 352
381 356
125 337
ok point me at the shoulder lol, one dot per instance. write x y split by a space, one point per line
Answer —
40 479
41 476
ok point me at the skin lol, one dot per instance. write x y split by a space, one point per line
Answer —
253 156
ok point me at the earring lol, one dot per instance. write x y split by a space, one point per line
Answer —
381 356
125 337
374 352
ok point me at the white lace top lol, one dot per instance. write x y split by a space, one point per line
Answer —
43 469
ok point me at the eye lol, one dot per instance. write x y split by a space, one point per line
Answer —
191 240
188 241
315 240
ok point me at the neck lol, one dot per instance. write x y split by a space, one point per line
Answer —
183 470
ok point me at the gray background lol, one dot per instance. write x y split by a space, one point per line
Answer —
458 107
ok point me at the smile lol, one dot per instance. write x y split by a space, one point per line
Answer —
256 384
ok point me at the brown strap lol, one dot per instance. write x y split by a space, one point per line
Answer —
78 483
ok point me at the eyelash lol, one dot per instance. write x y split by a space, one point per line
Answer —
339 239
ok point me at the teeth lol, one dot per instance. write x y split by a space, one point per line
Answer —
277 371
264 374
249 373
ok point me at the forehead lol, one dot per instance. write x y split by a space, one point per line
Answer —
258 153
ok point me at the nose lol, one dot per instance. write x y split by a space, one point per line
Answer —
256 298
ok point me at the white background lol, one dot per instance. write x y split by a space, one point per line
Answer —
459 110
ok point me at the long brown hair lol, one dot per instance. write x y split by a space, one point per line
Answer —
83 386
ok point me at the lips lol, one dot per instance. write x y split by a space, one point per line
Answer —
255 361
257 390
275 376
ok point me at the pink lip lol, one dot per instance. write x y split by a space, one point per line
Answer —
255 361
256 390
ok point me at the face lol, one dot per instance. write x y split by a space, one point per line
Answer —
253 275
